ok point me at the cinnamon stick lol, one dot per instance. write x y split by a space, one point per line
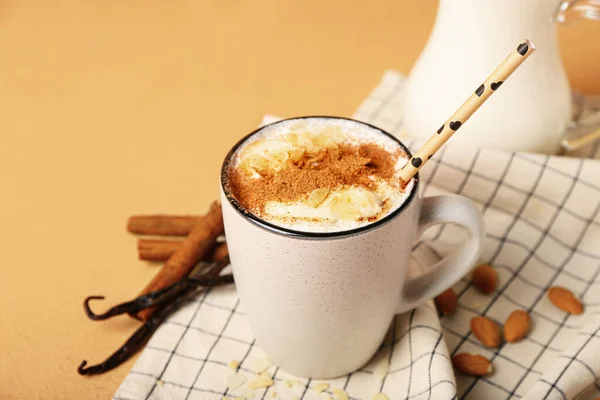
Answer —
194 247
168 225
162 250
157 249
221 251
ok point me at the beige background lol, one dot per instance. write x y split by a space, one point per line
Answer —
109 108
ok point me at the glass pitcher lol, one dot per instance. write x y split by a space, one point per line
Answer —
469 39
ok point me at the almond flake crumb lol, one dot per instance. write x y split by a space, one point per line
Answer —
339 394
273 394
291 382
234 364
159 382
380 396
321 387
236 380
261 381
260 365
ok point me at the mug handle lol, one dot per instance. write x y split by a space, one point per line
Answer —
446 272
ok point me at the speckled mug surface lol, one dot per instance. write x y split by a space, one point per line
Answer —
320 304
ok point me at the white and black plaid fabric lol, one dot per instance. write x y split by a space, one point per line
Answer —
543 229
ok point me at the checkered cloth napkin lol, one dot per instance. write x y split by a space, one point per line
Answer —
543 229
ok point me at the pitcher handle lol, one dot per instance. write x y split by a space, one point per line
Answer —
583 9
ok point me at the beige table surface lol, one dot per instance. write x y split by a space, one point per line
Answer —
109 108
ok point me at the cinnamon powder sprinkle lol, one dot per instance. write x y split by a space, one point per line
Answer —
344 165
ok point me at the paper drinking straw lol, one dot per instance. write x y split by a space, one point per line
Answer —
464 112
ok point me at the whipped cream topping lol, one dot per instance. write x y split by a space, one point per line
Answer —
335 208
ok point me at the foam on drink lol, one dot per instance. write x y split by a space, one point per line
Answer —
319 175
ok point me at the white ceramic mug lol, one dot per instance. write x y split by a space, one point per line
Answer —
320 304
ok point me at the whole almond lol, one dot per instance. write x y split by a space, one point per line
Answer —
487 331
485 278
565 300
446 302
517 326
472 364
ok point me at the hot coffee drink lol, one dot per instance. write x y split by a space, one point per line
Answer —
319 174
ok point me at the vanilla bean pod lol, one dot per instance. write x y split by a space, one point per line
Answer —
139 303
205 274
167 300
134 343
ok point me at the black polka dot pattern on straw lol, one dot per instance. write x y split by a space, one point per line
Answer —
464 112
